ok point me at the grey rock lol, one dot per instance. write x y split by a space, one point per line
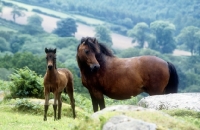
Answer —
190 101
122 122
120 108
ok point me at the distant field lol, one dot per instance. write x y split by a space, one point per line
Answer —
49 23
60 14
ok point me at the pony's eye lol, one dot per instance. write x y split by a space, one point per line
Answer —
87 51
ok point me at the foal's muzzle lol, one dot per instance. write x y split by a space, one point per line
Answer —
50 67
94 67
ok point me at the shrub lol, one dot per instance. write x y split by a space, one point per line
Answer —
24 105
26 83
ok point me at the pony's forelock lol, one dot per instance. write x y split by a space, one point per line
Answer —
91 41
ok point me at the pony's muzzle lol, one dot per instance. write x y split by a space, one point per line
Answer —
94 67
50 67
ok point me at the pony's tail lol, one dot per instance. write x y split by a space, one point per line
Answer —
172 86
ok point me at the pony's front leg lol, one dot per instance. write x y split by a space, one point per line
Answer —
97 100
101 103
59 105
55 105
46 105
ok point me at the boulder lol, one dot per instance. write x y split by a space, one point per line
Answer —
190 101
120 108
122 122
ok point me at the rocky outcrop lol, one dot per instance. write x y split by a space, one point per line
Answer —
190 101
120 108
122 119
123 122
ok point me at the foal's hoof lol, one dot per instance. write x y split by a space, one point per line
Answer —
45 119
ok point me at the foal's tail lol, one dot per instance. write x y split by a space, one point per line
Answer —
172 86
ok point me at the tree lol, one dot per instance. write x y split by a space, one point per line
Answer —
190 36
65 42
35 20
20 60
140 33
16 12
163 32
103 35
17 41
1 8
127 22
66 28
197 39
33 26
4 45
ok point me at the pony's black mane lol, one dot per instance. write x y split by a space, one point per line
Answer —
105 50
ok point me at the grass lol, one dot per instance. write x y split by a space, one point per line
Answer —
25 116
20 121
189 116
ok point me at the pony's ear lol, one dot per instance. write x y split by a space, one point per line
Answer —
83 39
95 41
86 40
54 50
46 50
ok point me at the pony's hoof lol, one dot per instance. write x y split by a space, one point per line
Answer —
45 119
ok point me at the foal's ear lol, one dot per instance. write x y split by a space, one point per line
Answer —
46 50
54 50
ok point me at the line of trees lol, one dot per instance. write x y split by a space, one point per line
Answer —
128 13
160 37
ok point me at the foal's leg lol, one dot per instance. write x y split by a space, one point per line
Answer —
72 102
46 105
55 105
59 105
